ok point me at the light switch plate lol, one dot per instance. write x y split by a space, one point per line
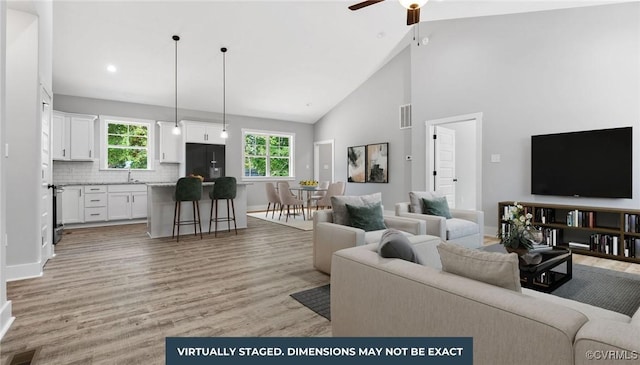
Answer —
495 158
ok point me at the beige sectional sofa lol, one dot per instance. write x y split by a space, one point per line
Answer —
507 327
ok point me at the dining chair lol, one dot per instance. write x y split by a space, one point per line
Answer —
288 199
321 193
273 198
335 189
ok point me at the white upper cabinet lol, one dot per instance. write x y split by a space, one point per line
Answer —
82 144
61 137
202 132
73 137
170 144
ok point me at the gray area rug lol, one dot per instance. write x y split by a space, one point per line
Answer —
613 290
316 299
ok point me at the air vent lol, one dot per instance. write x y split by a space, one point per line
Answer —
405 116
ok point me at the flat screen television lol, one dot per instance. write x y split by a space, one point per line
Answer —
594 163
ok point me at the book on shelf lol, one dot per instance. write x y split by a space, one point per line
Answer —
582 246
540 248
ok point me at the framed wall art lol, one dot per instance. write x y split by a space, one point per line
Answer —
377 165
356 164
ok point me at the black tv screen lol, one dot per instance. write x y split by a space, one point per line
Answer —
593 163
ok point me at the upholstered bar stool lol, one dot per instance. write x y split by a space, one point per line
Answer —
188 189
223 189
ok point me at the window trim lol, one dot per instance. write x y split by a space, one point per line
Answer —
292 164
151 142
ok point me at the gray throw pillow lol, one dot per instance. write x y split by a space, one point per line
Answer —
436 206
394 244
367 217
338 205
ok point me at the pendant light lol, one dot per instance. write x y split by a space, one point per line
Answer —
224 133
176 129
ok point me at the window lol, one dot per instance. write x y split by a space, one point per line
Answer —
126 142
268 154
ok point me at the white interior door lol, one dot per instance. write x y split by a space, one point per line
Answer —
445 163
46 208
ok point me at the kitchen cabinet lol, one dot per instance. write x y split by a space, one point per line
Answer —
61 137
201 132
95 203
170 151
73 137
127 201
73 204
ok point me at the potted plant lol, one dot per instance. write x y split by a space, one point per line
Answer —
517 234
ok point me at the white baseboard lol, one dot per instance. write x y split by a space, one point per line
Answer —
6 319
105 223
24 271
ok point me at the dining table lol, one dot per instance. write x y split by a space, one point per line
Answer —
309 189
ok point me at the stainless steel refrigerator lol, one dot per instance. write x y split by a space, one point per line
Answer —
206 160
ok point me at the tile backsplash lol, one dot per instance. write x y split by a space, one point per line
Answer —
66 172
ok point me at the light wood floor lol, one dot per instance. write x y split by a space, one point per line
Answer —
112 295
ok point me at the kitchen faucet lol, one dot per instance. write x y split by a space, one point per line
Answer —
127 164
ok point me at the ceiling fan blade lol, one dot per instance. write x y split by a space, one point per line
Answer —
364 4
413 16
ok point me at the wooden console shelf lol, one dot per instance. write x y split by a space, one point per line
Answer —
596 231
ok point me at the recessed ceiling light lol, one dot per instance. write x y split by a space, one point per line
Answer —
111 68
380 35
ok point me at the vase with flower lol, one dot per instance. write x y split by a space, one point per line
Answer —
517 234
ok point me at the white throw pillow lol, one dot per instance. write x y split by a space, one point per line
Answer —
338 205
490 267
416 197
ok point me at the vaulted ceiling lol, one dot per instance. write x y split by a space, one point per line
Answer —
288 60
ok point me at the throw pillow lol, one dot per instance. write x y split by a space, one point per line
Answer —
366 217
416 197
436 206
340 214
490 267
394 244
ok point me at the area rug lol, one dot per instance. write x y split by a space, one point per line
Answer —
295 221
608 289
316 299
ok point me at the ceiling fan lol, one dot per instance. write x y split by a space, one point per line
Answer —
413 8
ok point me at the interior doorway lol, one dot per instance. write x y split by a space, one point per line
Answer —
323 160
454 159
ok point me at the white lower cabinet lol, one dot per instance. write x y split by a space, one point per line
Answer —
127 201
95 203
73 204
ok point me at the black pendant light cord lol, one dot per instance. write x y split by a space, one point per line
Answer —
224 88
176 38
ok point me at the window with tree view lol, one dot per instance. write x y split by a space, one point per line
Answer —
127 141
268 155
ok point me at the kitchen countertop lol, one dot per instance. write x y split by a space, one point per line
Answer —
115 183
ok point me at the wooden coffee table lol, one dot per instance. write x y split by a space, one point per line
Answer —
543 277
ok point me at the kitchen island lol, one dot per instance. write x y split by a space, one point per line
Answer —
160 209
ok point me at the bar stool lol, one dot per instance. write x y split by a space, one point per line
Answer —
223 189
188 189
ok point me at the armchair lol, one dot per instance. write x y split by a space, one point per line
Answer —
465 227
329 237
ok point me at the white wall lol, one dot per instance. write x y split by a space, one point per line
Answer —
371 115
530 73
256 196
5 305
23 136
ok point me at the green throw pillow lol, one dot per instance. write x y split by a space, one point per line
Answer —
366 217
436 206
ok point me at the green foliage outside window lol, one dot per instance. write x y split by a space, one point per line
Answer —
267 155
127 142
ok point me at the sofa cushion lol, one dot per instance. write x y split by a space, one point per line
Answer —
490 267
340 214
366 217
416 197
457 228
394 244
436 206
